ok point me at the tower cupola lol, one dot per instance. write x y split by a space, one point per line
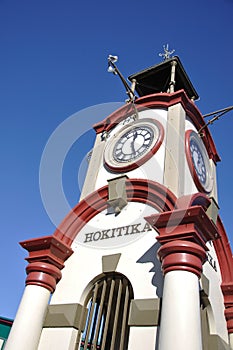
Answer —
168 76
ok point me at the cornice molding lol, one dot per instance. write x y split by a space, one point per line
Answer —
164 101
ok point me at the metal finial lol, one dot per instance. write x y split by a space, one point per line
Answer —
167 54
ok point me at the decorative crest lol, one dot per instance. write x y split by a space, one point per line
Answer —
167 54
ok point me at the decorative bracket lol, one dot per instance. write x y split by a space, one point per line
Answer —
117 197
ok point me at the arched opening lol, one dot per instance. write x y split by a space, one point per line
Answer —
107 319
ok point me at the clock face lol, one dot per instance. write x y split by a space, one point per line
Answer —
198 161
133 145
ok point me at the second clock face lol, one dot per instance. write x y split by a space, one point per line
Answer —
198 161
133 145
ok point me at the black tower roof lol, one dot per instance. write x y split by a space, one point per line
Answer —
157 79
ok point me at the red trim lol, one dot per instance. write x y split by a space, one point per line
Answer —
48 249
43 274
224 254
48 254
138 190
229 318
6 321
46 258
192 224
182 255
190 200
54 250
148 155
163 100
114 118
183 234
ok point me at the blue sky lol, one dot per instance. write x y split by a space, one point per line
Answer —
53 63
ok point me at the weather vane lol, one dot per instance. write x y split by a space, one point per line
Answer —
167 54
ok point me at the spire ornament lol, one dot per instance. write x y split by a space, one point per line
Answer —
167 54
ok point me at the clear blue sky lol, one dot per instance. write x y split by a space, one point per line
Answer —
53 61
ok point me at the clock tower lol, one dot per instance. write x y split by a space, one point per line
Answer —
143 260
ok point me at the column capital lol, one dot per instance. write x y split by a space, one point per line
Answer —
229 318
227 290
46 258
43 274
183 234
183 256
49 249
189 224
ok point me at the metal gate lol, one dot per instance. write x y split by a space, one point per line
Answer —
108 307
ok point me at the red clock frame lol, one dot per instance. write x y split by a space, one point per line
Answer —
144 158
192 169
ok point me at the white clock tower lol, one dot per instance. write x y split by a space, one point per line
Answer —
143 260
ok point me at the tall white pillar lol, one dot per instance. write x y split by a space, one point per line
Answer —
231 340
46 259
180 326
28 323
180 316
183 234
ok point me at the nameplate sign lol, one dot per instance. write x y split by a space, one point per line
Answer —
116 232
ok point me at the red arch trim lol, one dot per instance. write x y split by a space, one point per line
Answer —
56 249
224 254
163 100
138 190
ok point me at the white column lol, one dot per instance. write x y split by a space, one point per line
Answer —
231 340
93 167
28 323
180 327
175 151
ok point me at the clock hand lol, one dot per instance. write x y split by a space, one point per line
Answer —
135 135
133 142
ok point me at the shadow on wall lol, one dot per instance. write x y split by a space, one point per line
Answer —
150 256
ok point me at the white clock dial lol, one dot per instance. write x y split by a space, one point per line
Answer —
133 144
199 162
